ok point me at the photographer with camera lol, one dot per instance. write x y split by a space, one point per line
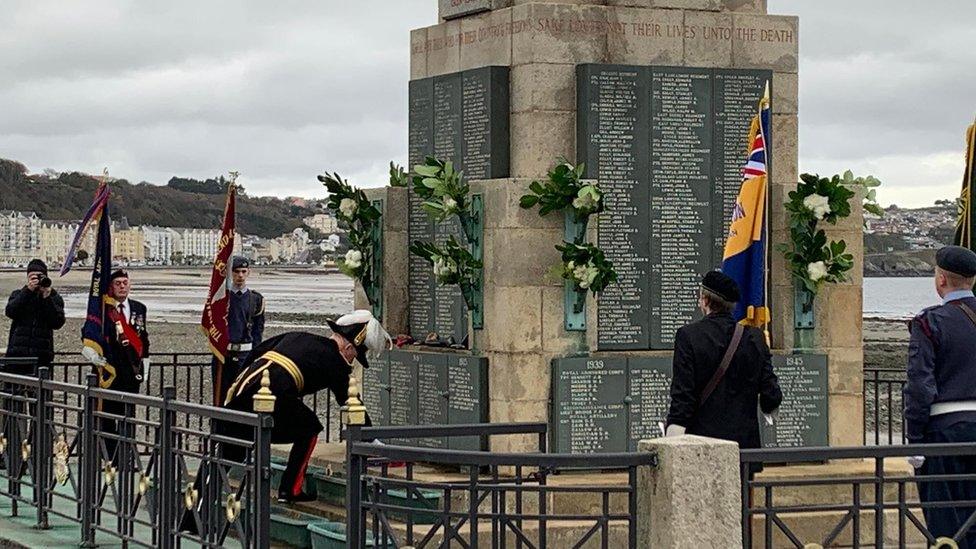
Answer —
36 310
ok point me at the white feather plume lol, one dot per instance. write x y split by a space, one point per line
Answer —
377 339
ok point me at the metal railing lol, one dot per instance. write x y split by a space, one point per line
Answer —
190 375
499 499
872 507
884 422
133 469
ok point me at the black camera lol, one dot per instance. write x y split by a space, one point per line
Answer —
44 282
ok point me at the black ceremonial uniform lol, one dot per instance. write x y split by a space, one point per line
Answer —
730 411
299 364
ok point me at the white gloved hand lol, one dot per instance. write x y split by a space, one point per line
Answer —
675 430
145 370
92 356
916 461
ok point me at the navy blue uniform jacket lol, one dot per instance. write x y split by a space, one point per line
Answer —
941 366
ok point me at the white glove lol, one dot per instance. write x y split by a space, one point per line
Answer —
145 370
92 356
770 419
916 461
675 430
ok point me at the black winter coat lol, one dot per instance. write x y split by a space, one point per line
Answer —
32 330
730 413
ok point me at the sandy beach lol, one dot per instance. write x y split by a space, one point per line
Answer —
183 291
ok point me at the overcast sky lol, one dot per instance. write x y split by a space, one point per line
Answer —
284 90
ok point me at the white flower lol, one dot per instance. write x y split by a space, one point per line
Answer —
817 270
587 199
444 267
585 275
450 204
354 259
579 273
818 204
348 207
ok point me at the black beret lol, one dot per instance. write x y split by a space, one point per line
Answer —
958 260
37 266
119 273
240 263
721 285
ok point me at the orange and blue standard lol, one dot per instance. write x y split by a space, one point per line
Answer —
745 258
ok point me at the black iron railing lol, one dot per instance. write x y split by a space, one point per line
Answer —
499 499
190 375
884 422
873 505
133 469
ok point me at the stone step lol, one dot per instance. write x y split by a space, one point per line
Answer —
812 527
841 492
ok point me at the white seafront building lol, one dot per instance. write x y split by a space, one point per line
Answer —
20 237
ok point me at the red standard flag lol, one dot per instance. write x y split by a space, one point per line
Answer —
214 320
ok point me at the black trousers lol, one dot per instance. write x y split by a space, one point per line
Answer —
946 521
111 427
231 369
295 424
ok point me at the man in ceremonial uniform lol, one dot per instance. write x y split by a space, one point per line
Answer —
302 364
940 393
722 371
120 353
245 324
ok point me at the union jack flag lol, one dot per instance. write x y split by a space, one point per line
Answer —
745 249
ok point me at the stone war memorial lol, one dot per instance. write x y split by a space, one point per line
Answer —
655 98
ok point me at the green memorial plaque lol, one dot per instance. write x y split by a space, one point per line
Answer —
803 417
403 390
467 382
376 389
588 410
648 397
431 376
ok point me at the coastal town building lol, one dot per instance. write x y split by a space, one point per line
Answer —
20 237
322 222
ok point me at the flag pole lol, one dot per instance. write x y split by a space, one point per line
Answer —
768 145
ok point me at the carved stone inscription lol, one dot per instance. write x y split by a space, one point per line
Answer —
461 117
660 142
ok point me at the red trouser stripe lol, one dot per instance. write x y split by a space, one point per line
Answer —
300 477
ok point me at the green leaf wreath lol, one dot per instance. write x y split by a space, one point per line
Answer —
453 264
358 216
813 260
587 269
565 189
398 177
442 189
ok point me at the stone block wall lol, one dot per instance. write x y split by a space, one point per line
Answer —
395 256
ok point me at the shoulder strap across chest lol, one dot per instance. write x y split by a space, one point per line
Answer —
726 361
967 310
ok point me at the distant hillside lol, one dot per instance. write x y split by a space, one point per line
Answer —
182 203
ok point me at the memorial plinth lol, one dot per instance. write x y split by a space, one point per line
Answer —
656 96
